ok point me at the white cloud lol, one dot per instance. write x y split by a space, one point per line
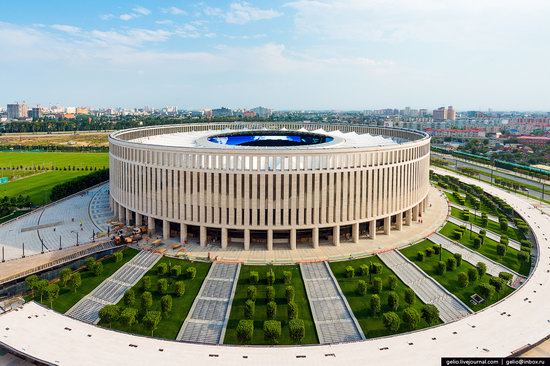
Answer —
212 11
106 16
243 12
66 28
174 11
136 12
127 16
164 21
141 10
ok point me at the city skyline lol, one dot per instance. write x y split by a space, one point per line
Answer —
345 55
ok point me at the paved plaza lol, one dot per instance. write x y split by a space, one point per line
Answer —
113 288
426 288
209 313
334 320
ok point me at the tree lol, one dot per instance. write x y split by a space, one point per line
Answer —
289 294
504 240
98 268
176 271
64 276
166 304
364 269
31 281
254 277
118 257
391 321
128 317
40 287
296 330
90 263
151 320
109 314
472 275
451 264
375 305
162 286
350 272
270 277
52 292
251 293
498 283
180 288
523 256
506 277
393 300
162 269
501 250
287 277
271 310
376 285
441 268
482 235
75 281
430 313
129 297
411 318
486 290
463 279
375 268
292 311
392 282
272 331
481 269
477 242
146 301
503 222
245 331
270 293
410 296
191 272
458 258
146 283
249 309
361 287
420 256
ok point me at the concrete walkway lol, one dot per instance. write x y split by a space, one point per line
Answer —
491 235
334 320
207 319
113 288
426 288
473 257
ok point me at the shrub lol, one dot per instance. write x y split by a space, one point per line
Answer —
375 268
523 256
501 250
166 304
410 296
430 313
507 277
129 297
361 288
270 277
497 283
162 286
296 330
392 282
472 275
191 272
245 330
289 294
249 309
271 310
176 271
393 300
162 269
436 249
270 293
350 272
420 256
525 244
477 242
411 317
180 288
375 305
504 240
272 331
253 278
457 234
441 268
146 283
287 277
451 264
364 269
481 268
146 301
458 258
376 285
463 279
391 321
429 252
251 293
486 290
292 311
109 314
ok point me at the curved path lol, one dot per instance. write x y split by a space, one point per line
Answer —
485 334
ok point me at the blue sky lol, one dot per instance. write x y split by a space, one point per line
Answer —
296 54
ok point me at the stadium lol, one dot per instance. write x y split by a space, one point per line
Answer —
268 186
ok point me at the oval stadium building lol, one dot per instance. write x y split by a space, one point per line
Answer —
265 185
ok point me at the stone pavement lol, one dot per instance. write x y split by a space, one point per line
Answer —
334 320
491 235
113 288
425 287
208 316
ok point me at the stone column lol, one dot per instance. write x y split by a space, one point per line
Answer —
183 233
121 212
315 237
202 238
372 229
415 213
224 238
114 208
399 221
150 225
408 217
336 235
420 208
165 229
139 219
128 217
355 232
387 225
292 239
246 239
269 239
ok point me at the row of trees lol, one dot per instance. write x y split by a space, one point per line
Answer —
78 184
50 167
8 205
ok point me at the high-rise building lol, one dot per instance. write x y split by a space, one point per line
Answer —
17 110
262 112
36 113
440 114
451 113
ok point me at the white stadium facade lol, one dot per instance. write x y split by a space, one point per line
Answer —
260 185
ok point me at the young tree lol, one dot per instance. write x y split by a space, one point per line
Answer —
364 269
375 305
166 304
75 281
64 276
486 290
477 242
270 277
146 283
98 268
271 310
129 297
109 314
251 293
287 277
289 294
128 317
270 293
411 317
162 286
272 331
292 311
254 277
392 282
497 283
296 330
472 275
191 272
463 279
451 264
176 271
441 268
180 288
391 321
430 313
376 285
481 269
249 309
523 256
361 287
420 256
40 287
52 292
162 269
501 250
31 281
410 296
90 263
146 301
458 258
393 300
151 320
350 272
118 256
245 331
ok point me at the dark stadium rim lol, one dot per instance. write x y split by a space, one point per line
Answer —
270 138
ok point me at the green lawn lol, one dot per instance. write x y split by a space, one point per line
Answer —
449 279
489 249
67 297
300 299
491 225
53 159
170 324
468 204
372 325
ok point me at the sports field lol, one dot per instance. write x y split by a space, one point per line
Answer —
37 171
